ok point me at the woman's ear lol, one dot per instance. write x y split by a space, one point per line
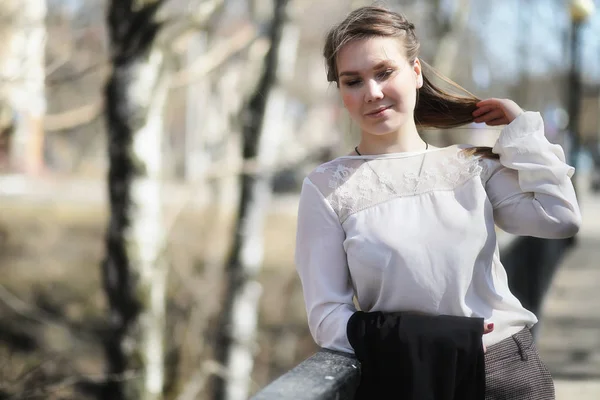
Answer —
418 73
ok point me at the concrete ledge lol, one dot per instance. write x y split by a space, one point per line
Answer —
580 390
327 375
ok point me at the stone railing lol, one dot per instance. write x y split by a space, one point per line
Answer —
327 375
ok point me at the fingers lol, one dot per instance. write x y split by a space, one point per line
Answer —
483 109
509 109
488 327
497 113
497 121
492 102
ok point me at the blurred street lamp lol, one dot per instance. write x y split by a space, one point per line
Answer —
541 256
580 11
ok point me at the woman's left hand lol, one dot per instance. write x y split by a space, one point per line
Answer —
496 111
487 328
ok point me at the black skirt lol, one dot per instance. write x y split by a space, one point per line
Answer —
418 357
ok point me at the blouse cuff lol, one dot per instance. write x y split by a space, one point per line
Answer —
524 129
522 144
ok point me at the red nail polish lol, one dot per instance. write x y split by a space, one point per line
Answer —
490 326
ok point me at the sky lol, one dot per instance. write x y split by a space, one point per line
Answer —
544 26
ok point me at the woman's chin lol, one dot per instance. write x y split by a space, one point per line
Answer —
381 130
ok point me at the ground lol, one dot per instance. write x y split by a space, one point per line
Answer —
569 338
53 310
52 307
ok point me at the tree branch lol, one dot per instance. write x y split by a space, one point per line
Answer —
38 315
216 56
178 25
196 384
77 75
73 118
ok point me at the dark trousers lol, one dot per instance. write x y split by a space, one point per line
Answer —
514 370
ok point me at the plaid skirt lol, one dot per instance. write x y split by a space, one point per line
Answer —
514 370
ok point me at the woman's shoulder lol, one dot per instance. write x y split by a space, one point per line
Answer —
337 166
482 158
329 175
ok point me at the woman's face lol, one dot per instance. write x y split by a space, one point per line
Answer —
378 85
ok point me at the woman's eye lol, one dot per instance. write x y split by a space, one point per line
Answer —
352 83
385 74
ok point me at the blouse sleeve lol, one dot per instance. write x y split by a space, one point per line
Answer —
530 187
321 264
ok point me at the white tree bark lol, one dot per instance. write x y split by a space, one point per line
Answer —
146 233
22 78
196 117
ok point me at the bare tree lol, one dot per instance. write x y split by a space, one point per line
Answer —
449 33
451 22
22 76
262 116
134 272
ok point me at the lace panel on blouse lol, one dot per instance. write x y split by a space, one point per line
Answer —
352 184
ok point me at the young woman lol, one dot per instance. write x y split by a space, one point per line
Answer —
400 225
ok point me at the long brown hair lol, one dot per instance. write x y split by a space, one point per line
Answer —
435 107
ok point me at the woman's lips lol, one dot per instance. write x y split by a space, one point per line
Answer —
378 113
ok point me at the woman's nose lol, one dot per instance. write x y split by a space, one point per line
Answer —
373 92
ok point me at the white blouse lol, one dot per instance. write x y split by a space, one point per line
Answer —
416 231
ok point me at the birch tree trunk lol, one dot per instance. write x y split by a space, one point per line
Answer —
449 35
22 79
134 270
449 38
196 157
264 113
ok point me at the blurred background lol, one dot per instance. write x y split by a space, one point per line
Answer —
151 155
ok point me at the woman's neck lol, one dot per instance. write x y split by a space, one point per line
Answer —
407 140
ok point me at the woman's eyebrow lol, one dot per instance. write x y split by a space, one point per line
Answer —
380 65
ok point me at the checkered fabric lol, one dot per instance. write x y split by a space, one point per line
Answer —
514 370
